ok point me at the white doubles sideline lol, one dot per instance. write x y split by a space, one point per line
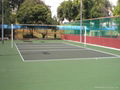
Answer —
19 53
96 50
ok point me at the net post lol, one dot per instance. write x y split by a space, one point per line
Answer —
81 21
85 38
12 36
2 32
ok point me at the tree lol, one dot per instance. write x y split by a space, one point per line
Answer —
76 8
118 2
65 11
60 13
0 11
116 11
87 6
34 12
71 9
6 11
6 15
55 21
68 10
91 9
8 6
100 8
15 3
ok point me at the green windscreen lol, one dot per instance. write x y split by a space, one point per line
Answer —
105 27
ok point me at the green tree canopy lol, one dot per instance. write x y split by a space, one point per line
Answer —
87 6
6 11
100 8
91 9
116 11
0 11
65 10
34 11
8 6
15 3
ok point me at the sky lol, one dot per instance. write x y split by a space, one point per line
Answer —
55 3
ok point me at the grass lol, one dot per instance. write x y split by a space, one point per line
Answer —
102 74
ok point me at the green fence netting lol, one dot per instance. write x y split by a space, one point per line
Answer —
106 27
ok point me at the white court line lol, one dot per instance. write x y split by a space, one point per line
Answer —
49 47
19 53
42 45
70 59
59 41
55 50
94 50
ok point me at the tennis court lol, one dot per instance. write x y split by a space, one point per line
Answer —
97 72
49 51
59 45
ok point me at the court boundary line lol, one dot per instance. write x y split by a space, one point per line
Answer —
95 50
70 59
43 45
19 53
57 50
51 47
62 41
93 45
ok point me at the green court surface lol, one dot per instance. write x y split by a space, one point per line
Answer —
86 74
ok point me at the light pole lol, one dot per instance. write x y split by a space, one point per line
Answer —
2 32
80 20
